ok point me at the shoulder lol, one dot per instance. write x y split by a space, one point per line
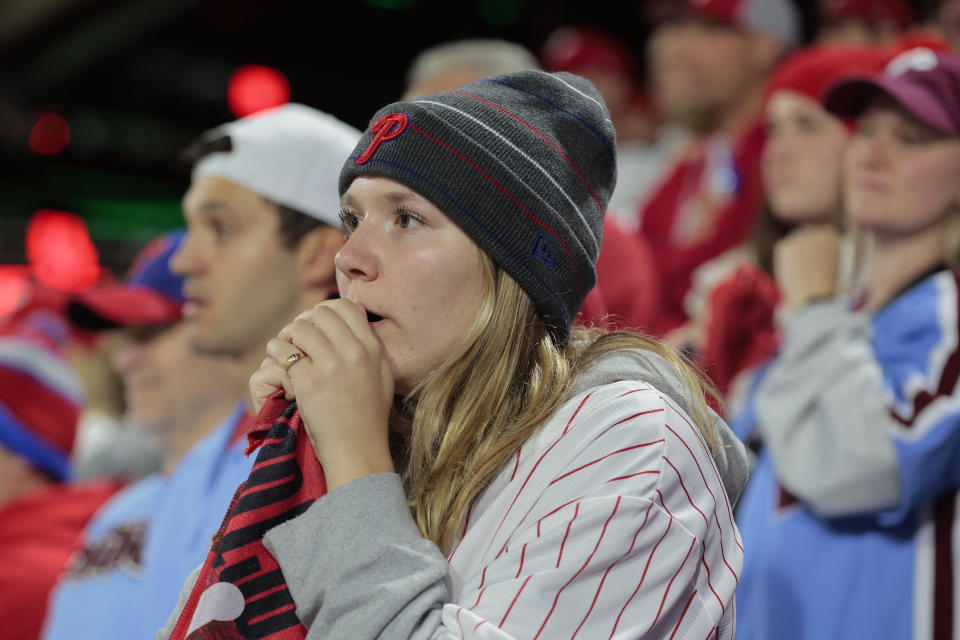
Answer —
628 419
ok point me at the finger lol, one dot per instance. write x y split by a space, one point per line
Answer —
269 378
355 317
324 337
278 350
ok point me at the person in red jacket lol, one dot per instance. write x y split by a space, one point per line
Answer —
41 513
707 67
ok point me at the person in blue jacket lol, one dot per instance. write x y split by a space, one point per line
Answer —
850 517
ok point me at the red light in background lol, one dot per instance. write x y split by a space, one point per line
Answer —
49 135
13 288
61 252
253 88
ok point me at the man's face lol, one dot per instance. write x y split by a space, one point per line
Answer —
241 281
167 383
699 68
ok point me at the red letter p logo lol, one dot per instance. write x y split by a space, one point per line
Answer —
386 128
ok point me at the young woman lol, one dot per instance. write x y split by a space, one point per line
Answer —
733 302
492 473
850 515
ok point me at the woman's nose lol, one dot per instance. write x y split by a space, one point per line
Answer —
357 258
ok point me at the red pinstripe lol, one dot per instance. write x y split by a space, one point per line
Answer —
703 561
632 475
705 521
586 563
596 595
576 512
463 533
516 465
460 624
548 140
523 554
643 576
703 445
483 578
692 595
479 595
601 459
640 390
715 518
670 584
537 464
478 625
510 608
511 197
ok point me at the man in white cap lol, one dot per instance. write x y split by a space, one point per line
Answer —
262 215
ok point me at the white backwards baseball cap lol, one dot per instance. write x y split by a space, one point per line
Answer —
291 155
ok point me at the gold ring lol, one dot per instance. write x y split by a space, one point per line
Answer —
291 360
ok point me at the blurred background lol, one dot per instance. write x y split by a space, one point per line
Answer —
98 96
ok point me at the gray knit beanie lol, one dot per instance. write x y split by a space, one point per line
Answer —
524 163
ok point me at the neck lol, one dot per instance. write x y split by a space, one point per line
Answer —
898 260
196 426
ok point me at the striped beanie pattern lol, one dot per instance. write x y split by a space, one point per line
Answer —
524 163
40 402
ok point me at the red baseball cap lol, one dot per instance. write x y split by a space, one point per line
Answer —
812 70
871 11
150 295
925 82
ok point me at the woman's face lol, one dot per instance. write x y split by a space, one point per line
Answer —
407 262
902 176
802 158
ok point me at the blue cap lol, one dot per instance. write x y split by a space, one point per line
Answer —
151 294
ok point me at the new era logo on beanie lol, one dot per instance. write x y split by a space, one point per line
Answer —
524 163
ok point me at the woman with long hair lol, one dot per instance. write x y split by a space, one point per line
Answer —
493 473
850 514
733 302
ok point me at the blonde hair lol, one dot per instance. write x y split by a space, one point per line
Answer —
506 378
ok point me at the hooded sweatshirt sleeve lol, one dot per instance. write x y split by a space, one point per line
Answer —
613 518
863 417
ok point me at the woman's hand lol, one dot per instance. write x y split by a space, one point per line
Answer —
805 264
343 387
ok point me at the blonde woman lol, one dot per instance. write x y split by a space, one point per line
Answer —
493 473
850 515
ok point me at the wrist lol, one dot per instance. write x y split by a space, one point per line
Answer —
347 466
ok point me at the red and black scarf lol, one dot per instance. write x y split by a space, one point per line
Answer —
241 592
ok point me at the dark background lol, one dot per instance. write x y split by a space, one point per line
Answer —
138 79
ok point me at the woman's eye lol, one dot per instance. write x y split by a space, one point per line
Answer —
348 221
406 219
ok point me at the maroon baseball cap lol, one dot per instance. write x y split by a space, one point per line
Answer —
925 82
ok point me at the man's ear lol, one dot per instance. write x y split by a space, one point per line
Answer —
315 254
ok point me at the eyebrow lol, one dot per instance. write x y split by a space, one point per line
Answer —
394 197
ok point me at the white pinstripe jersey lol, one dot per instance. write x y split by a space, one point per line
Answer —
611 522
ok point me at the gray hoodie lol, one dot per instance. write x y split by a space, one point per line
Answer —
389 557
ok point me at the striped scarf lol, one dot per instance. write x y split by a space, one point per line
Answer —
241 592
